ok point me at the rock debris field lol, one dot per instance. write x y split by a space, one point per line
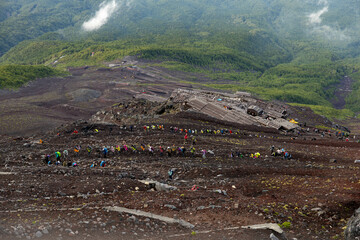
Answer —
310 196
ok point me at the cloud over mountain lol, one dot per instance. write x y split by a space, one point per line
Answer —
102 16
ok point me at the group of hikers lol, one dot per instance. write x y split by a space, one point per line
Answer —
339 134
280 152
148 128
191 131
104 152
189 136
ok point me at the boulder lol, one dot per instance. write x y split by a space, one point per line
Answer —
352 231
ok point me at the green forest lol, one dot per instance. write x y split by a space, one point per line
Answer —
14 76
265 47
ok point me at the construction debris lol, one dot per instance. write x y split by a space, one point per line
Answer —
239 108
271 226
6 173
150 215
162 187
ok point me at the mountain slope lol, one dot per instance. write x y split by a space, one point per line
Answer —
290 19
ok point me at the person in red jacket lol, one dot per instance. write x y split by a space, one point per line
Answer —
185 138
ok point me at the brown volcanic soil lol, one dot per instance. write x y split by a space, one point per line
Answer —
49 102
313 193
343 89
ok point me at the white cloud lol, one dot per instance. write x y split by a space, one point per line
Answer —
331 33
315 18
102 16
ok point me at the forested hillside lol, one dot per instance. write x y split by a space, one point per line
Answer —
296 51
294 19
13 76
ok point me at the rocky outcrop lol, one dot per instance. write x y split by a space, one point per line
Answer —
352 231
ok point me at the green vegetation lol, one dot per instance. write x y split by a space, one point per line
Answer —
14 76
223 67
329 112
286 224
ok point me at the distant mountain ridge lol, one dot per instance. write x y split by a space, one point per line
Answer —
333 20
294 51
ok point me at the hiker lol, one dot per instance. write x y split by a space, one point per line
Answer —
183 149
173 150
58 155
112 150
105 151
76 151
151 150
93 165
58 162
47 159
89 149
179 151
193 140
272 149
192 151
143 147
203 153
171 173
134 149
168 150
185 138
125 148
117 149
287 155
103 163
66 154
278 152
161 151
